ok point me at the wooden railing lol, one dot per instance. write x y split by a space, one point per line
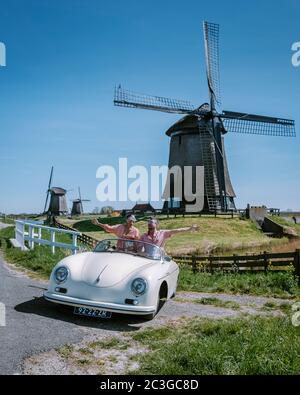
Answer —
83 238
238 263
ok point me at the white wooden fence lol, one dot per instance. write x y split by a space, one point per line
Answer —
32 232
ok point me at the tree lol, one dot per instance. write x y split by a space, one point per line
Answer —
107 210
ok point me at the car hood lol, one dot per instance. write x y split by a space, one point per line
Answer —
108 269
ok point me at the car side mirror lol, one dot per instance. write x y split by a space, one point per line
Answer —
167 258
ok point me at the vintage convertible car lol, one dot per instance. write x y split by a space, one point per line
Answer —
122 276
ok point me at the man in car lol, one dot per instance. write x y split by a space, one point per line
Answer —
125 231
159 237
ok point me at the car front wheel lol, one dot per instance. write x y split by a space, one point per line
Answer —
161 299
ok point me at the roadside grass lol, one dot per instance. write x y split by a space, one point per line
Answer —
66 351
111 343
228 304
40 260
276 284
283 307
236 346
215 235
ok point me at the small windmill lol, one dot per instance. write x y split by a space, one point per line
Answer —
58 203
77 207
198 138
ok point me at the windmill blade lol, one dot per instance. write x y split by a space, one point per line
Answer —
49 187
125 98
238 122
79 193
85 200
50 179
46 202
211 44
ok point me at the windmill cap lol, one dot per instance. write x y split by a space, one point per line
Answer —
58 191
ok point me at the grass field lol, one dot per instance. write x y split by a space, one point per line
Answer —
277 284
215 235
249 345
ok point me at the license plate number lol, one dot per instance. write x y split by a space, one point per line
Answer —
92 312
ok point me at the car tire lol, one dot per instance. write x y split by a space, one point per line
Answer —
159 304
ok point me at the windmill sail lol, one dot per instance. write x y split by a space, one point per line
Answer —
125 98
49 189
238 122
211 43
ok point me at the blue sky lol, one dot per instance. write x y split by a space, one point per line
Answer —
65 57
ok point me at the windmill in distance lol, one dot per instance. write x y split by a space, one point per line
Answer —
197 139
77 207
58 203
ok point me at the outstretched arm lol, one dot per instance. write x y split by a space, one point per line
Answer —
107 228
183 230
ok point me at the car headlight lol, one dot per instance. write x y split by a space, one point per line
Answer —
139 286
61 274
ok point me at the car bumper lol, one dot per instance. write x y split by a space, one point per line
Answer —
112 307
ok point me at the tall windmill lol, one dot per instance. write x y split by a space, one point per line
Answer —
77 207
198 138
58 202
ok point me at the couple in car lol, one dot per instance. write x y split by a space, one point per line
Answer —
154 236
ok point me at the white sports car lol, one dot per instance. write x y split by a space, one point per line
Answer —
122 276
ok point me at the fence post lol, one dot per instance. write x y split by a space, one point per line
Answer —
40 234
265 261
31 237
297 265
74 244
211 264
20 233
194 264
235 265
52 241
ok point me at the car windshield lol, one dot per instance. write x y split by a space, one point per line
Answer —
134 247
